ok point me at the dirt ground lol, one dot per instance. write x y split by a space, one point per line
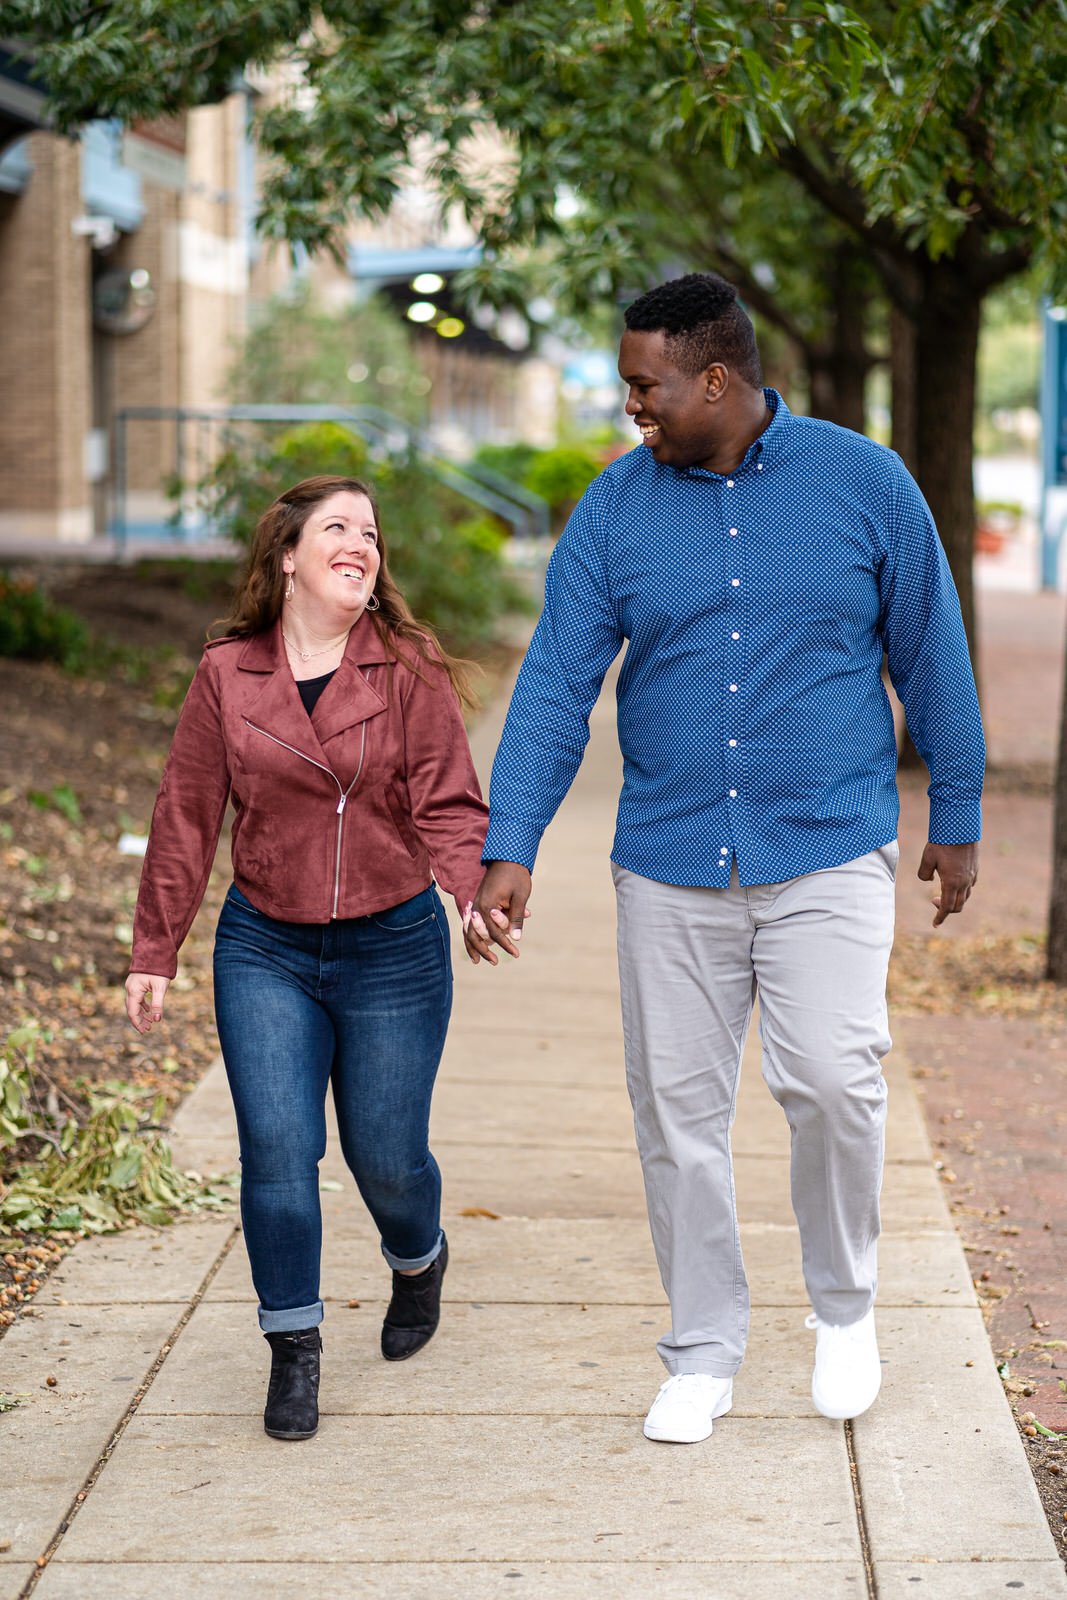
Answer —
983 1034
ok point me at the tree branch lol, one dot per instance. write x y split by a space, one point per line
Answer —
843 200
993 269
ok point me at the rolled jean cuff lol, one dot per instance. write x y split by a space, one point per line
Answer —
292 1319
399 1264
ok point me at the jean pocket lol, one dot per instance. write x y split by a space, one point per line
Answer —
408 914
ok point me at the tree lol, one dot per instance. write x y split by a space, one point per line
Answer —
930 130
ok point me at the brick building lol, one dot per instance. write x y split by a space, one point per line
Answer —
128 273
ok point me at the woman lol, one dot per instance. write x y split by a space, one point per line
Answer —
332 721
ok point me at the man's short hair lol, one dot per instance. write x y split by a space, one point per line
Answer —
703 323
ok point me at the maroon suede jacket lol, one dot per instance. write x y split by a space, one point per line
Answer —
339 814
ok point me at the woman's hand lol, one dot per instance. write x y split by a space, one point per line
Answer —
145 994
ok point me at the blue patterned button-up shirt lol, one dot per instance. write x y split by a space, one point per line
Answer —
755 610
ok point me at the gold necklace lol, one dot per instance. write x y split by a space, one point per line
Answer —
309 655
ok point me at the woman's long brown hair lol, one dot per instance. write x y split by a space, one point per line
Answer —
258 602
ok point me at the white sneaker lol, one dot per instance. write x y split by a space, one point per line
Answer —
686 1406
848 1371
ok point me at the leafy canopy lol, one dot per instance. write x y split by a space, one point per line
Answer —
934 120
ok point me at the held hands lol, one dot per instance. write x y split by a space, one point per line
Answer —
498 911
145 994
956 866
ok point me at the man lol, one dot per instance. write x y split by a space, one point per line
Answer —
757 566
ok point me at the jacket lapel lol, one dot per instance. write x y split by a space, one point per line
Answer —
358 689
348 700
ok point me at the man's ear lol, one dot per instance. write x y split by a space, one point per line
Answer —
716 381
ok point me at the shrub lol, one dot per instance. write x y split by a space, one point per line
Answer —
448 564
510 460
250 474
561 476
33 628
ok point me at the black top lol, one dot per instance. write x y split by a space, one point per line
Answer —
311 688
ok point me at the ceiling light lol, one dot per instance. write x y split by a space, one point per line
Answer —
427 283
421 311
450 327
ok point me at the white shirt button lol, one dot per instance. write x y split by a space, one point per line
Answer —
759 466
733 533
733 794
724 851
733 744
736 582
735 636
729 483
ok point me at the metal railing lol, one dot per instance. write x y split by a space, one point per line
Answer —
197 428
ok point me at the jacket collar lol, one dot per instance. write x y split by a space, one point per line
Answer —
348 699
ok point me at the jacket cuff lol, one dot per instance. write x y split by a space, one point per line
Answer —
512 839
159 963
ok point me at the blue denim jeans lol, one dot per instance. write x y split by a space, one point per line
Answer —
363 1003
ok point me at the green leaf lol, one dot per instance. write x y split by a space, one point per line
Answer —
730 134
637 16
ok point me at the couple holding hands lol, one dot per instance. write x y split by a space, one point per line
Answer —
757 567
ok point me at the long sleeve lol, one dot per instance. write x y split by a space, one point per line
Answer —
447 808
547 726
184 833
930 667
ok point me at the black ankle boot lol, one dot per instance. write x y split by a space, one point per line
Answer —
293 1392
415 1309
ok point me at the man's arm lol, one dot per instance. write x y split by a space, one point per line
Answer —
930 668
547 725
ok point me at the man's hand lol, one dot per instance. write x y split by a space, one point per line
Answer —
498 912
956 866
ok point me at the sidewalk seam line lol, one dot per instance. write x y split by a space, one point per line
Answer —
861 1514
131 1410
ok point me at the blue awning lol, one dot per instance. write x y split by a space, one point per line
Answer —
396 266
109 189
15 168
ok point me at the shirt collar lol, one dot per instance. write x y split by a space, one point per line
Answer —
766 449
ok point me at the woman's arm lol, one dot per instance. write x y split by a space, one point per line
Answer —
184 834
447 808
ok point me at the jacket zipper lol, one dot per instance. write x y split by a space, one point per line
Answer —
342 795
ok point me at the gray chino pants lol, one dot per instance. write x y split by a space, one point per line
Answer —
691 962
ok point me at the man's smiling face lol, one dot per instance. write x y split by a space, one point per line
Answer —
677 420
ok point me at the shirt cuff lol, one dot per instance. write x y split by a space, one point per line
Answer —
956 821
512 839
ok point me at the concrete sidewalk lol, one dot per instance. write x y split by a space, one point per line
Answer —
508 1458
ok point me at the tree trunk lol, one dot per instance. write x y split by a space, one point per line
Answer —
837 372
946 350
1056 959
902 386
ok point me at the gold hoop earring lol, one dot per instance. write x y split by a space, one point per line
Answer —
374 604
290 586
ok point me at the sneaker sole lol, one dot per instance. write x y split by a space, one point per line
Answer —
661 1437
838 1414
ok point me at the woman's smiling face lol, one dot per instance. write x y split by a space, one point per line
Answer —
335 561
